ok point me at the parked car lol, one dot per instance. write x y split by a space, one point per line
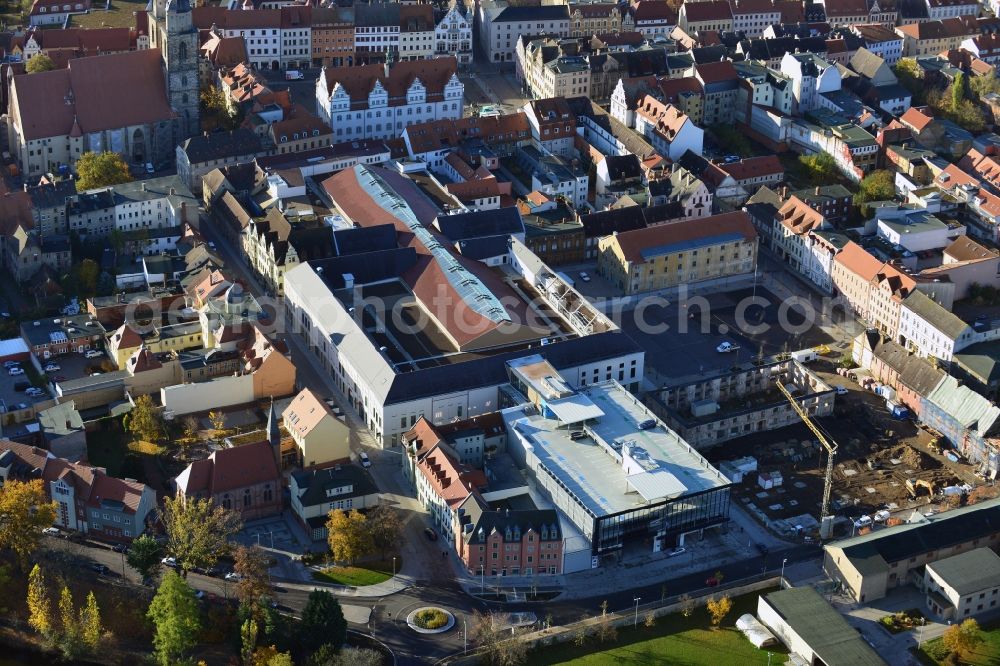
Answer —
149 168
365 461
233 576
11 364
93 353
863 521
22 405
712 582
674 552
584 276
34 392
53 367
119 548
99 568
431 534
51 531
169 562
15 371
199 594
727 347
840 390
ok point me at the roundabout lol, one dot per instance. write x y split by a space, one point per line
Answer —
430 620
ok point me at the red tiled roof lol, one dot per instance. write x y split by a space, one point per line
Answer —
799 217
857 260
358 82
230 469
715 72
916 119
632 243
709 10
107 92
751 167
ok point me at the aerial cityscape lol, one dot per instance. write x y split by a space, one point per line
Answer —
502 332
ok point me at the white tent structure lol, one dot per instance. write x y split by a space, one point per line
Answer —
755 632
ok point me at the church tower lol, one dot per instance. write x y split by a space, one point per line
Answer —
176 37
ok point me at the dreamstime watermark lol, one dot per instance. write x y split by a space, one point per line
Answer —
510 318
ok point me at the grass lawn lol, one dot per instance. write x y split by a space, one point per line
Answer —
364 573
119 16
675 639
109 447
987 654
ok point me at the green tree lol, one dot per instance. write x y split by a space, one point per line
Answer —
198 531
347 535
910 77
91 629
962 638
145 421
39 63
384 527
248 639
176 620
144 556
69 634
39 603
957 91
985 84
876 186
821 168
500 646
269 656
251 563
718 609
732 140
101 170
322 622
24 512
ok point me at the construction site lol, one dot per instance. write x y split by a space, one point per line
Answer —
882 465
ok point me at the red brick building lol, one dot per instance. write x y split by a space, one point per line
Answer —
244 478
508 543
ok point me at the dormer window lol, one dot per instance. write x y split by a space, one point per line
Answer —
284 139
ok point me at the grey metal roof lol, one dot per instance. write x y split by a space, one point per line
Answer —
966 406
314 483
871 552
935 315
357 240
969 572
481 223
822 628
492 370
542 13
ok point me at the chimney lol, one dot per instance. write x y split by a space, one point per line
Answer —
817 190
143 186
784 192
173 191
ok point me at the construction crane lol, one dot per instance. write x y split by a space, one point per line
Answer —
829 445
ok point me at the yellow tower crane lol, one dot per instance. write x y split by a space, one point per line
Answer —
829 445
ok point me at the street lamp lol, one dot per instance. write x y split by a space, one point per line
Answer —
636 622
782 576
465 636
482 579
393 566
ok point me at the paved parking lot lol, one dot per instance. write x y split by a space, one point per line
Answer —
680 339
273 534
12 399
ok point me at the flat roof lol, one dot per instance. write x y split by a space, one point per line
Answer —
969 572
822 628
588 466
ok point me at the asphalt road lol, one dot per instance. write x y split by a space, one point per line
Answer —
388 619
